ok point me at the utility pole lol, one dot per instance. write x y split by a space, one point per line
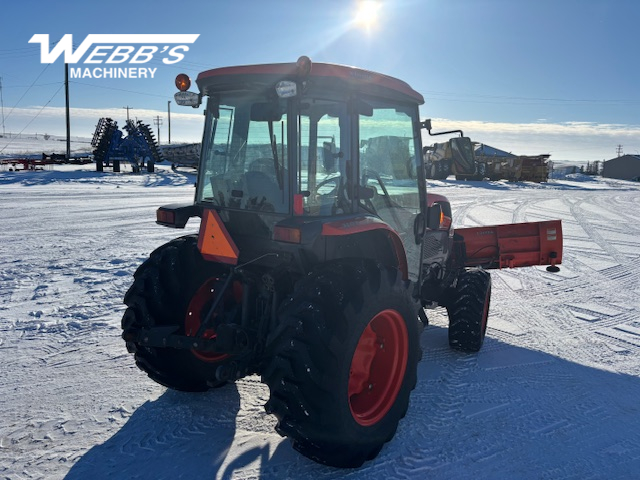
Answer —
2 105
619 150
66 93
169 118
158 121
127 107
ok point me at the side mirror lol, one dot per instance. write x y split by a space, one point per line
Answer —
434 215
427 124
366 193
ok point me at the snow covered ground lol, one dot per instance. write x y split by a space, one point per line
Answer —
34 145
553 394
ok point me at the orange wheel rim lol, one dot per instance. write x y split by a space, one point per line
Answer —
378 367
198 307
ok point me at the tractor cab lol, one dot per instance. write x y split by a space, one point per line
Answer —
287 148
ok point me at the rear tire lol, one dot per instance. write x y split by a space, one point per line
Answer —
171 288
342 362
469 311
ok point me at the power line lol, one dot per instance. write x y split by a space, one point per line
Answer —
19 55
31 121
629 103
27 86
27 90
528 100
30 47
118 89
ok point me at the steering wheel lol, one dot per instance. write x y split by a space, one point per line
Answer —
338 191
335 179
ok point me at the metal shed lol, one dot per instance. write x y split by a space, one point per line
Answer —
626 167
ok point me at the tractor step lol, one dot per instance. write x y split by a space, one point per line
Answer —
513 245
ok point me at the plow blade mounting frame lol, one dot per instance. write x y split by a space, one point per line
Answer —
513 245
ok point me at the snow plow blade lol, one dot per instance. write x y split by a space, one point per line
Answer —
514 245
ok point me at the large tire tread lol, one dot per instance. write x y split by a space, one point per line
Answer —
469 310
307 353
162 288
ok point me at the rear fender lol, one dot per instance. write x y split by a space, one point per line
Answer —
381 240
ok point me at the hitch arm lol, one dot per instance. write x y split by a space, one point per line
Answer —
207 322
229 339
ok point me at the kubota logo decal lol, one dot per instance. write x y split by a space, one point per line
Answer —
116 49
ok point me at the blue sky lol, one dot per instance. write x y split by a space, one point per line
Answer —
543 76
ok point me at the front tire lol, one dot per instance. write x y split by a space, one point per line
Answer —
343 361
469 311
174 287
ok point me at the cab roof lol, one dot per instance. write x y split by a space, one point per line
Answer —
324 75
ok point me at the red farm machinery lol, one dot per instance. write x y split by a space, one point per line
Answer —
319 250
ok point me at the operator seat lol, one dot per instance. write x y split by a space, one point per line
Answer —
262 186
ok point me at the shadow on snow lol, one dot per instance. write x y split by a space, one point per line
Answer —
35 178
507 412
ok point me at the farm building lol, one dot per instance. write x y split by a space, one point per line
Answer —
483 150
626 167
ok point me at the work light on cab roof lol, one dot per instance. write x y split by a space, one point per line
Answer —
286 89
289 88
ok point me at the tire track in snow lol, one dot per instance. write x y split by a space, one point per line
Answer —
592 232
73 396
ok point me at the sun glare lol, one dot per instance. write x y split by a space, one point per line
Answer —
367 14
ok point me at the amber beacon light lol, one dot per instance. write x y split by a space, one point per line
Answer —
183 82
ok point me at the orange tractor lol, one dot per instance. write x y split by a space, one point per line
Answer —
318 251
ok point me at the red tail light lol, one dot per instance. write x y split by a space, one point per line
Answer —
286 234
